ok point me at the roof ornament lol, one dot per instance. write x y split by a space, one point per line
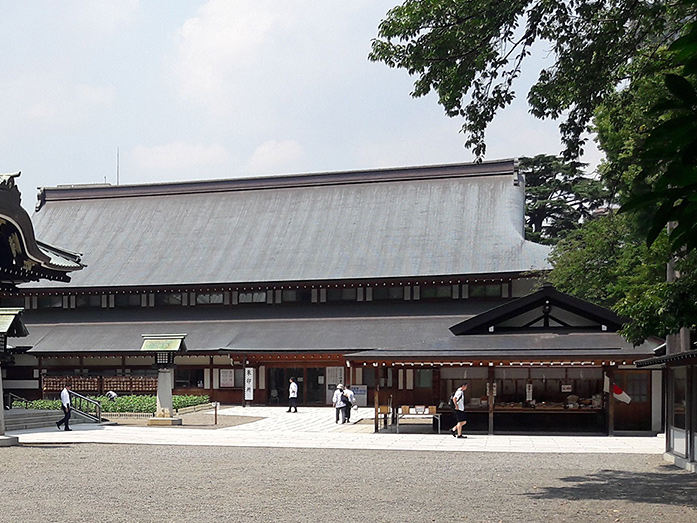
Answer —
7 183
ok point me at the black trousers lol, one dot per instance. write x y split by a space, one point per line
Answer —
347 412
66 417
293 403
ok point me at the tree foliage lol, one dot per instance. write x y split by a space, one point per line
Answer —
558 197
666 184
606 259
664 307
470 52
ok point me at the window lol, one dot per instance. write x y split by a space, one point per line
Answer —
485 290
12 301
252 297
172 299
50 302
677 378
436 291
89 301
637 387
423 379
388 293
341 294
185 378
213 298
296 295
384 375
127 300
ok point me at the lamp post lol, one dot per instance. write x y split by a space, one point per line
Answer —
165 347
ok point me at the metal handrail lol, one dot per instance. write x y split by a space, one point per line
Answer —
11 397
85 405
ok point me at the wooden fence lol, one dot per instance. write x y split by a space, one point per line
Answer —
100 384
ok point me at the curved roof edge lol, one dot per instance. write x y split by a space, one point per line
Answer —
30 258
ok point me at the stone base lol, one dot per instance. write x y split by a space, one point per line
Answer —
8 441
168 422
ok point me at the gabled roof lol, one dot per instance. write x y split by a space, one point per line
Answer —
11 323
546 309
447 220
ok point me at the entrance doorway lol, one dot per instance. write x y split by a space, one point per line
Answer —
310 385
637 414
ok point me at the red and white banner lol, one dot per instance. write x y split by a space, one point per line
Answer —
617 391
619 394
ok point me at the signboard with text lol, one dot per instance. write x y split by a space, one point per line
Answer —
227 378
249 383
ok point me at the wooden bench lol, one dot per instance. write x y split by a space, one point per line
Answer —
418 412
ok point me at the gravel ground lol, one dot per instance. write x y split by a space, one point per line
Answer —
126 483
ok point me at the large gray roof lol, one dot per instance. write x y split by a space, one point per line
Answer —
318 328
404 332
464 219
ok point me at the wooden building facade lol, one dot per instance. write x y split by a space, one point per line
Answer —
334 277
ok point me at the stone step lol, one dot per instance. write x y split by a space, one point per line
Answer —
35 419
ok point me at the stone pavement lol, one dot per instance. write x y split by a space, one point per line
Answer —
314 427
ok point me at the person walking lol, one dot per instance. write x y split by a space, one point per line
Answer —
339 404
350 401
458 400
292 395
65 406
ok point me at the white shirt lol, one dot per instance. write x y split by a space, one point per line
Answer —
65 398
459 397
338 398
350 395
293 390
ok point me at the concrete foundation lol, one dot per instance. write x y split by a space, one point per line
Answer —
8 441
167 422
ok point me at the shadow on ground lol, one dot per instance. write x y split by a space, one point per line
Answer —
670 486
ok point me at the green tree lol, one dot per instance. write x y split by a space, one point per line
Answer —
470 52
666 185
663 307
558 197
606 259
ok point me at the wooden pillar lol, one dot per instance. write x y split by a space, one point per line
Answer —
490 399
377 416
40 365
611 404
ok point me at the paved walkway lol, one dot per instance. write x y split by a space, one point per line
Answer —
315 428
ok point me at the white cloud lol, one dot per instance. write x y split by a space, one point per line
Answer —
46 99
216 46
273 156
177 156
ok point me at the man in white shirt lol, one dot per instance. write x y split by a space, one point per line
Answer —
350 400
459 405
292 395
65 406
339 405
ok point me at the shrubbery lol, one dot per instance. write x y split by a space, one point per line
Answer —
122 403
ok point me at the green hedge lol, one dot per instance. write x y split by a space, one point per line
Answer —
122 403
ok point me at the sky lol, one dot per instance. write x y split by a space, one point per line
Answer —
166 90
